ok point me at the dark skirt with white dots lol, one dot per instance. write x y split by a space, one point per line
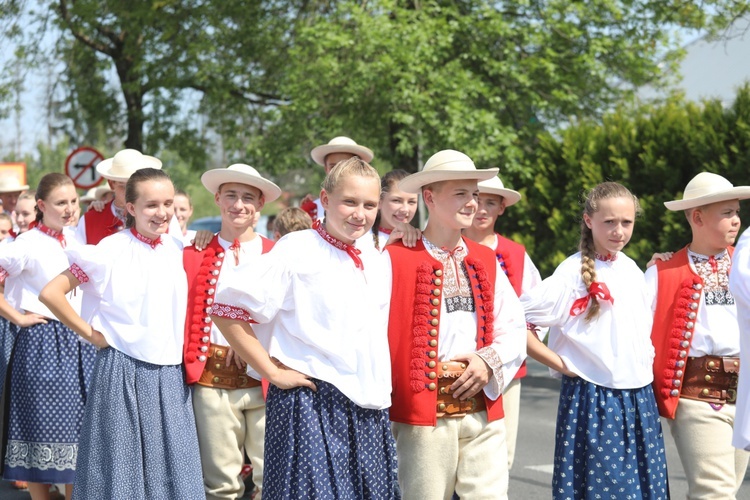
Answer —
138 439
50 371
609 444
8 334
321 445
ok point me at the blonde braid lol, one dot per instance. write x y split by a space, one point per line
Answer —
588 266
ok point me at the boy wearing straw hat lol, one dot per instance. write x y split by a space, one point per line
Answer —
697 340
523 275
327 156
96 225
457 337
10 189
227 396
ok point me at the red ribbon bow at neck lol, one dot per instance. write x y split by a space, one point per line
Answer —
598 290
351 250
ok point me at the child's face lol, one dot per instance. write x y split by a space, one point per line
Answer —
489 208
182 210
5 227
719 223
612 225
153 208
60 207
239 204
351 207
452 204
25 214
396 207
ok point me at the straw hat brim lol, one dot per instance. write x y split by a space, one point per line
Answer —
319 153
510 197
14 189
415 182
735 193
104 167
213 179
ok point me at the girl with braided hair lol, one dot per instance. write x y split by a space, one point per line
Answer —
609 439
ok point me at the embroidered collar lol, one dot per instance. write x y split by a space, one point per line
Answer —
58 235
610 257
456 255
144 239
351 250
385 231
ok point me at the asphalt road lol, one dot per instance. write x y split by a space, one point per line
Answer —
531 476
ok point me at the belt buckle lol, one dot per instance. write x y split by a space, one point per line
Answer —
731 395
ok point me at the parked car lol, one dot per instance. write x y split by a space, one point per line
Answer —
213 224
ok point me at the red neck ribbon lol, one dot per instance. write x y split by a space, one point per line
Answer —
51 232
598 290
144 239
349 249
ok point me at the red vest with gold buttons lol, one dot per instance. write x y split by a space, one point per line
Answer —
414 325
203 270
677 302
512 257
99 225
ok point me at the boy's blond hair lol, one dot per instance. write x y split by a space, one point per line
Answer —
289 220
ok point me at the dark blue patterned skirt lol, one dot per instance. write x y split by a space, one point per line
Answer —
8 334
321 445
609 444
49 374
138 438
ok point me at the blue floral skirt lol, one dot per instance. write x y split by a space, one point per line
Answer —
138 438
50 371
8 334
609 444
321 445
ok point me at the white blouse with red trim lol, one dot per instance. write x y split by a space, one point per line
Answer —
613 350
318 313
135 295
31 262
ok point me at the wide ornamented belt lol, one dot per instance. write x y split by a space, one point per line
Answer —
447 405
219 376
712 379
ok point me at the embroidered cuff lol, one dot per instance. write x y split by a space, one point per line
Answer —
490 357
533 328
231 312
78 273
3 274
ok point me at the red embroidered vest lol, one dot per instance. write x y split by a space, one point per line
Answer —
99 225
203 270
677 305
417 291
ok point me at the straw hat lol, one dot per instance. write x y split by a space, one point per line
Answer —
90 195
340 144
124 163
242 174
446 165
11 184
706 188
495 186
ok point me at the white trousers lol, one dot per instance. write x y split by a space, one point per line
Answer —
467 455
512 408
703 436
229 422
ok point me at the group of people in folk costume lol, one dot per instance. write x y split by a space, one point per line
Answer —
357 357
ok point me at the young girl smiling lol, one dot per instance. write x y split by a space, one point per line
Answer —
50 369
138 438
327 428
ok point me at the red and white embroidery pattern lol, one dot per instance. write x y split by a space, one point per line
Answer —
79 273
231 312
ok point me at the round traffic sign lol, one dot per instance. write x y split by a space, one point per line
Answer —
80 165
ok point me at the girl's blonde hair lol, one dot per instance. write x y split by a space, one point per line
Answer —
603 191
353 166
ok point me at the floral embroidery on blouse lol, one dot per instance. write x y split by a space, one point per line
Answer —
714 270
79 273
457 294
231 312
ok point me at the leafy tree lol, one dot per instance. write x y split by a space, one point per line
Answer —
654 150
265 81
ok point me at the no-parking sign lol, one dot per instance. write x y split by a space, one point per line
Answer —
80 165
